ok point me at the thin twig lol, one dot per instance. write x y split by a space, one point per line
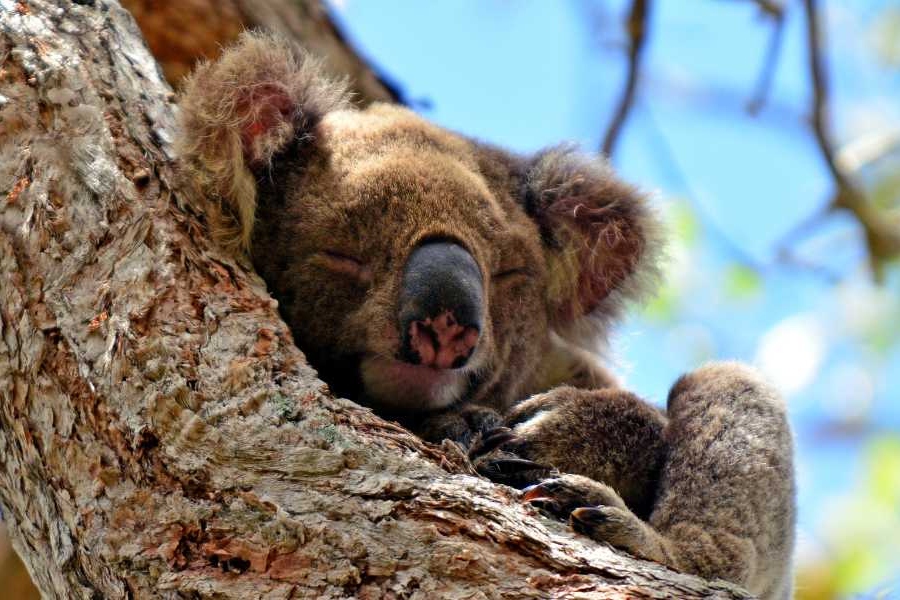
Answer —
803 229
770 8
820 97
637 35
770 62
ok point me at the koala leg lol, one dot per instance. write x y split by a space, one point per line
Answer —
725 506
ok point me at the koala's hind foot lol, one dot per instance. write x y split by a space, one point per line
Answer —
559 496
725 504
597 511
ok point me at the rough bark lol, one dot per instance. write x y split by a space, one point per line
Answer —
180 32
160 435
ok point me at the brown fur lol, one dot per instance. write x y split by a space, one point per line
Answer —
331 201
269 85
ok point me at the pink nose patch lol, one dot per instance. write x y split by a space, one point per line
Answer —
441 342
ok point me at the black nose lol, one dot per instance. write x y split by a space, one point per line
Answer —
441 306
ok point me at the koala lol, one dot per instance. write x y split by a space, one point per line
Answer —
455 286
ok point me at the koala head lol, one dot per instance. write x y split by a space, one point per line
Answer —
416 267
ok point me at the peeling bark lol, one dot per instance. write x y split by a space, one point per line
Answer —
160 434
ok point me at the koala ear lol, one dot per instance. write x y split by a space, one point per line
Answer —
602 241
238 113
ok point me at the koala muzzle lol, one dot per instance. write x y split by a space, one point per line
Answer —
441 306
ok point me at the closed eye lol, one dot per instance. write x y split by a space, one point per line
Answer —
510 273
344 264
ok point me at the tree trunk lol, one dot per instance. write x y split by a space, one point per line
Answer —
160 435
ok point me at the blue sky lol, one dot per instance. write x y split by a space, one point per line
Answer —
529 74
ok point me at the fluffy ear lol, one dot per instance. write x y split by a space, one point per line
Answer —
602 240
238 113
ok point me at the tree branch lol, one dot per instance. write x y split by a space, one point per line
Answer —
882 236
774 11
181 32
637 34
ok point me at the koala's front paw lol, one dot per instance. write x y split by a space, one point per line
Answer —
595 510
491 459
463 426
518 455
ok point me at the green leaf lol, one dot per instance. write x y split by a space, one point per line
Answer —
742 283
883 458
663 307
683 223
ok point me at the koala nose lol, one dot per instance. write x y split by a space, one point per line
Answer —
441 300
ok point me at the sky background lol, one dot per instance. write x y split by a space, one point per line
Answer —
528 74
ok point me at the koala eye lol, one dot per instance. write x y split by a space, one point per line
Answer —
507 274
344 264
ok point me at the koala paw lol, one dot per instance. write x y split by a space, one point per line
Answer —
615 526
464 426
490 459
595 510
562 495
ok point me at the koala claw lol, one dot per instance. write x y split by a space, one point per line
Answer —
536 496
595 510
514 472
511 466
570 492
491 440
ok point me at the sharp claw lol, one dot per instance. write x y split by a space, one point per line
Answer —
493 440
535 492
515 465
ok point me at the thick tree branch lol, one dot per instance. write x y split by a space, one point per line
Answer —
160 434
638 22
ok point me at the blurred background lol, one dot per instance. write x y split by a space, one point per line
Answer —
768 132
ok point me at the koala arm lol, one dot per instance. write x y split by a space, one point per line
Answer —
609 435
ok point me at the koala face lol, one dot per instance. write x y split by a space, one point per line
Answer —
396 259
417 268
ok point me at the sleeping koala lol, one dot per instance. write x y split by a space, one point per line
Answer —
452 285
